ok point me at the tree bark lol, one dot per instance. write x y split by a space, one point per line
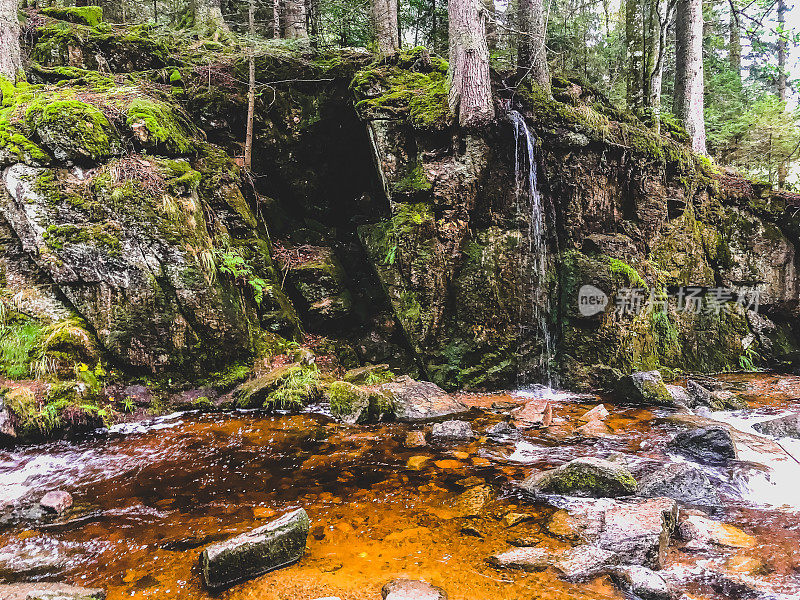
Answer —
532 52
10 53
251 88
689 84
735 42
656 76
634 55
491 25
384 20
782 171
208 16
294 19
470 94
276 19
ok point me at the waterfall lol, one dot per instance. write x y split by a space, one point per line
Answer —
531 209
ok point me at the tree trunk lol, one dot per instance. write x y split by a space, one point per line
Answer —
251 88
689 70
782 171
276 19
656 76
634 55
208 16
10 54
532 53
470 94
735 43
384 19
294 19
491 25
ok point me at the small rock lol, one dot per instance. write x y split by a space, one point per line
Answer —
524 558
598 413
411 589
256 552
699 395
707 445
513 518
584 562
49 591
680 395
644 387
596 429
682 482
592 477
56 501
501 429
471 502
536 413
642 583
452 430
417 462
788 426
701 533
415 439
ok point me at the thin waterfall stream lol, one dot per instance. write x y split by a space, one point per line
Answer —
530 208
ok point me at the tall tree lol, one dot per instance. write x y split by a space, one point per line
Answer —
532 53
689 71
470 94
384 19
662 12
782 44
208 16
294 19
10 54
491 25
251 87
734 41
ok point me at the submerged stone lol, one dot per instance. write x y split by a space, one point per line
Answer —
412 589
49 591
682 482
588 476
272 546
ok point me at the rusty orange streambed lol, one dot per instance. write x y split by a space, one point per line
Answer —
148 500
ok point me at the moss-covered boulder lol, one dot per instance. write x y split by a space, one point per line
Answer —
317 283
84 15
645 388
354 404
592 477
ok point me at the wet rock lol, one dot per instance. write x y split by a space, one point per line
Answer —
598 413
368 375
682 482
256 552
412 589
707 445
640 531
415 463
56 501
584 562
788 426
595 429
579 526
642 583
592 477
8 433
536 413
713 399
700 396
644 387
680 395
452 431
318 284
415 439
28 561
352 404
49 591
524 558
501 430
470 503
514 518
419 400
701 533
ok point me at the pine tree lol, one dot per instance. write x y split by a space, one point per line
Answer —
689 71
532 55
10 54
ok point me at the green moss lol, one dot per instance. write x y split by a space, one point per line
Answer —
85 15
344 397
75 128
622 269
102 235
179 176
415 181
299 386
166 129
20 341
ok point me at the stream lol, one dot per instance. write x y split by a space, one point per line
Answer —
148 498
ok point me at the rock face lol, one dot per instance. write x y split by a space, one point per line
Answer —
49 591
682 482
256 552
707 445
452 431
419 400
411 589
8 433
788 426
592 477
646 388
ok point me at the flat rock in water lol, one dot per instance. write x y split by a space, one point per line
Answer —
536 413
49 591
56 501
682 482
524 558
639 531
501 430
415 439
584 562
707 445
598 413
587 477
596 429
471 502
420 400
702 533
452 430
412 589
642 583
256 552
788 426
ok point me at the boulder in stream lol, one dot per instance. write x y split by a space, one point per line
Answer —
419 400
707 445
682 482
644 387
642 583
787 426
452 431
701 533
56 501
8 433
272 546
587 477
584 562
49 591
412 589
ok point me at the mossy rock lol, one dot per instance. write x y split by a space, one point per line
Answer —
159 127
85 15
584 477
645 388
